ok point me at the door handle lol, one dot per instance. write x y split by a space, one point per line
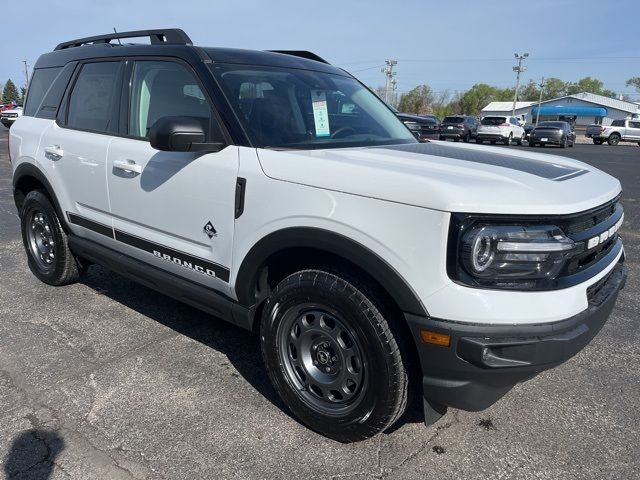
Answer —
128 166
53 152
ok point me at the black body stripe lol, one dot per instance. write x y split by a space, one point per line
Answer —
220 272
100 228
538 168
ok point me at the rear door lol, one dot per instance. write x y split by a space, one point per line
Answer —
73 150
174 210
633 130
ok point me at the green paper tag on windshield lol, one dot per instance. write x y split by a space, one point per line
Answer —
320 113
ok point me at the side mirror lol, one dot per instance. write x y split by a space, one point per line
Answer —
181 134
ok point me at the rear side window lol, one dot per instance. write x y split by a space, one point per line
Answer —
617 123
41 80
493 120
453 120
93 97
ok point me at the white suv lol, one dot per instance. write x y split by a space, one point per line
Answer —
276 192
500 129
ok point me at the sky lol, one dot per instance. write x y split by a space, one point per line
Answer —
447 44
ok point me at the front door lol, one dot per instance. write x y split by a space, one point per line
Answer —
174 210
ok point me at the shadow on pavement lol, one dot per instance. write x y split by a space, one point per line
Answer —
241 347
33 454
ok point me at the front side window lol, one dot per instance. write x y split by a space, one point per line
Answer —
304 109
164 89
93 97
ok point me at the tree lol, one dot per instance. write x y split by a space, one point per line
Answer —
10 92
634 82
554 88
591 85
418 100
23 93
479 96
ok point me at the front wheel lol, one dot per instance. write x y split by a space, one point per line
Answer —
332 355
45 242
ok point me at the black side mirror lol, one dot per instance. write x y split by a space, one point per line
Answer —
181 134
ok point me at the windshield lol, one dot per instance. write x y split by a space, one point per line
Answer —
493 120
453 120
551 124
304 109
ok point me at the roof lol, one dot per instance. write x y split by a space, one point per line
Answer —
505 106
608 102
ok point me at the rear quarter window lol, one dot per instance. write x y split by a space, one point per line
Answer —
41 81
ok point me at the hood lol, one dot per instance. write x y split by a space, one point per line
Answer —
449 177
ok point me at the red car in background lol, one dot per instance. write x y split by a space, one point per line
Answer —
7 106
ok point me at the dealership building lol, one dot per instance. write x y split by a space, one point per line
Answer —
579 109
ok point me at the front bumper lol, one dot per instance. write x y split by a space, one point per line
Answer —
7 121
483 362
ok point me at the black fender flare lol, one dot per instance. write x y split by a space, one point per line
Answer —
30 170
336 244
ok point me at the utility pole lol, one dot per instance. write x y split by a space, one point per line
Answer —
541 85
389 74
394 94
518 69
26 74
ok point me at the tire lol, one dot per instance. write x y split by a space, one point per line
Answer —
520 140
597 141
307 321
479 140
466 138
45 242
492 142
456 139
639 144
564 142
614 139
532 144
509 139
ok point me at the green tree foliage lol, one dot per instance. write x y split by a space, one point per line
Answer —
418 101
591 85
478 96
10 92
634 82
23 93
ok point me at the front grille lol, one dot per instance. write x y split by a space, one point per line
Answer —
586 220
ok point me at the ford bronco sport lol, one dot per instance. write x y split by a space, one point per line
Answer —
275 191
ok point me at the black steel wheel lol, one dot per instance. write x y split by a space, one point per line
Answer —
334 354
45 242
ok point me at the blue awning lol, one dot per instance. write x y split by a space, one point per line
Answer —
552 111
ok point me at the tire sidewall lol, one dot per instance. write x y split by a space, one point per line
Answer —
375 397
37 201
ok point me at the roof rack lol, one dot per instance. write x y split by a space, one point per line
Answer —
302 54
168 36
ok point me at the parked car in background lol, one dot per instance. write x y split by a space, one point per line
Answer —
7 117
552 133
458 127
7 106
527 130
423 127
619 131
500 129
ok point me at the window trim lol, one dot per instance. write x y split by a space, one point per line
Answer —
63 112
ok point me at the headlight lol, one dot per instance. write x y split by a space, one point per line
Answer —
508 253
412 125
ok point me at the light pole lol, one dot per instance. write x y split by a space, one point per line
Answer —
518 69
541 85
389 74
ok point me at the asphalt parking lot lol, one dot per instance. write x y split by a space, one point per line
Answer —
107 379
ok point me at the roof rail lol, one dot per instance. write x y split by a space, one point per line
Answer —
302 54
171 36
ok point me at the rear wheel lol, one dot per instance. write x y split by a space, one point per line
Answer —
45 242
509 139
614 139
597 141
520 140
466 137
332 355
563 142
